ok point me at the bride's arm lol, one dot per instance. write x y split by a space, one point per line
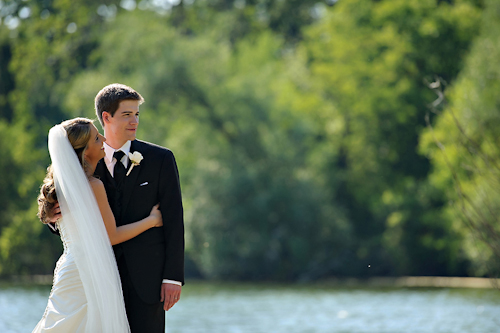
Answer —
123 233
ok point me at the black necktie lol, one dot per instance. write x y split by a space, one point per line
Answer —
119 170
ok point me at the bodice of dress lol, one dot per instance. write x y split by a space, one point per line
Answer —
63 232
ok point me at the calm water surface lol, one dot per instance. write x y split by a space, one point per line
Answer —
211 308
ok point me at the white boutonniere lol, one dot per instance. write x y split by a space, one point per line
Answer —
135 158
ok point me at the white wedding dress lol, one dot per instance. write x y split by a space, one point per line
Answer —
86 295
67 307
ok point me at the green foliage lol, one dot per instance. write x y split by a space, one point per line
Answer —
371 59
242 147
295 125
468 166
284 18
42 57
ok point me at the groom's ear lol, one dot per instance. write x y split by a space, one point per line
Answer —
106 117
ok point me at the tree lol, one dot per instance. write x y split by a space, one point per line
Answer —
252 209
40 57
467 165
371 59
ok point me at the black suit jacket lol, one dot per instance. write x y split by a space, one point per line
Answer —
157 253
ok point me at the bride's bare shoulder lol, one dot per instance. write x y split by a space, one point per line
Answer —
95 182
98 189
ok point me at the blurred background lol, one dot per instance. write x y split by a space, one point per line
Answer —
315 139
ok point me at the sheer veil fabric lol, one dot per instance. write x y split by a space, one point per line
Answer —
90 244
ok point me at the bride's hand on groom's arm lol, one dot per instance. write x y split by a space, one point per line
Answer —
170 294
156 216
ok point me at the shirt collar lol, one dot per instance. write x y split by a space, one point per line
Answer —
110 150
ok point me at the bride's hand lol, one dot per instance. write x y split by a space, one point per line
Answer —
55 214
156 216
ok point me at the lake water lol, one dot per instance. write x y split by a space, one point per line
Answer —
211 308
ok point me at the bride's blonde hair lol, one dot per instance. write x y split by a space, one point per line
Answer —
78 131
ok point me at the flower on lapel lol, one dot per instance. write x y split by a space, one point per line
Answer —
135 158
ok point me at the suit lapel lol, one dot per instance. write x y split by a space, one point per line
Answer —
130 180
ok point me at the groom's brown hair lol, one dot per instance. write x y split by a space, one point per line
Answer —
109 98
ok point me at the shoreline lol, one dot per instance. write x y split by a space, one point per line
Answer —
418 282
382 282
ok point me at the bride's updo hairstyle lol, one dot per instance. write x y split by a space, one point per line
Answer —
78 131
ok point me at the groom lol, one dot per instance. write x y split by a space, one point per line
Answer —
151 265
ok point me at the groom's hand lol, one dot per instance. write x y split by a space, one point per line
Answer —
170 294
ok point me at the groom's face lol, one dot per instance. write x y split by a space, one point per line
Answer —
123 125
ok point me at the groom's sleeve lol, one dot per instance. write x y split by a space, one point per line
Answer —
53 228
172 282
173 219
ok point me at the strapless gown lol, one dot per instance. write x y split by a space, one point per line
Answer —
66 310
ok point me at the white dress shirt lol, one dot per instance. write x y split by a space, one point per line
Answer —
110 164
111 161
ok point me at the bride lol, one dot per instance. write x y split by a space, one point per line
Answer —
86 294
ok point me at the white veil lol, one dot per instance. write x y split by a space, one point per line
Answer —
88 241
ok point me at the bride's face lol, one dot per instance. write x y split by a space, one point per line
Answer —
95 148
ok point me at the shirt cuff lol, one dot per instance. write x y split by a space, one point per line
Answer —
172 282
